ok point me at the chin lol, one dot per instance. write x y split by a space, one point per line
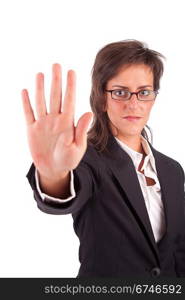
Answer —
130 132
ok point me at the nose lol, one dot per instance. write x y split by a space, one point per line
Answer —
133 101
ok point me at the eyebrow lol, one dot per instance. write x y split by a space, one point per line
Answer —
126 87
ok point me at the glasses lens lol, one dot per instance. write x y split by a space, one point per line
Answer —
146 95
120 95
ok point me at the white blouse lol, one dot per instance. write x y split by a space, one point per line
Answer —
151 194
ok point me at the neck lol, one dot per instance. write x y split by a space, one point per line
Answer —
134 142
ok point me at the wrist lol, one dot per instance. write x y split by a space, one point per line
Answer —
55 186
52 179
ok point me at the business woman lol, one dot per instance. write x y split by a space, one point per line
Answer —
126 198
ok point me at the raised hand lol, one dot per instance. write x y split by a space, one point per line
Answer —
56 145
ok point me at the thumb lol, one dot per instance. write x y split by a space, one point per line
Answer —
82 127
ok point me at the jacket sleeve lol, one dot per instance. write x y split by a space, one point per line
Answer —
43 195
179 253
85 182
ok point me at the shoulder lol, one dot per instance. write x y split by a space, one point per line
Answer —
167 160
90 159
91 154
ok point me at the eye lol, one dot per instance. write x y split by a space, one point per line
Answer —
145 92
120 93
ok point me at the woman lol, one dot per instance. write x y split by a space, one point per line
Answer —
126 198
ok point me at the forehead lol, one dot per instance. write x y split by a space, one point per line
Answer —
133 75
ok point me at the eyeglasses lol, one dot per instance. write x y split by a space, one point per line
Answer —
143 95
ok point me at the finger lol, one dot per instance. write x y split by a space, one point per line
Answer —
39 96
70 95
56 89
82 128
28 111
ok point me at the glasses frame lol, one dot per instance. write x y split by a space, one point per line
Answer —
131 93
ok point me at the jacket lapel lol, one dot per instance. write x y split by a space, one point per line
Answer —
169 193
124 170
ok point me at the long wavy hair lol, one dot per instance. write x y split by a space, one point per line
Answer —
107 63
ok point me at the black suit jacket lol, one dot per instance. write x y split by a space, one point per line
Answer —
111 220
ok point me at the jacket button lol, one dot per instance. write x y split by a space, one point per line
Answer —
155 272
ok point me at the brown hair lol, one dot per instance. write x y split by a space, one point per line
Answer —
107 63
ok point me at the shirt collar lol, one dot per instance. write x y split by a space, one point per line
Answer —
136 156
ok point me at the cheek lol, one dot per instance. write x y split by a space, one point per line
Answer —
147 109
114 112
111 108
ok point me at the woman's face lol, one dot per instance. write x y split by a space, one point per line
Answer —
132 78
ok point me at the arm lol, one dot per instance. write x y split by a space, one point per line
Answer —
179 253
56 145
85 182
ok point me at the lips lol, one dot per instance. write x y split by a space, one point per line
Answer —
132 118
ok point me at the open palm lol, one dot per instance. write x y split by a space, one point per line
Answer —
56 145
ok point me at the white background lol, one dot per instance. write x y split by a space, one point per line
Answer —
35 34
